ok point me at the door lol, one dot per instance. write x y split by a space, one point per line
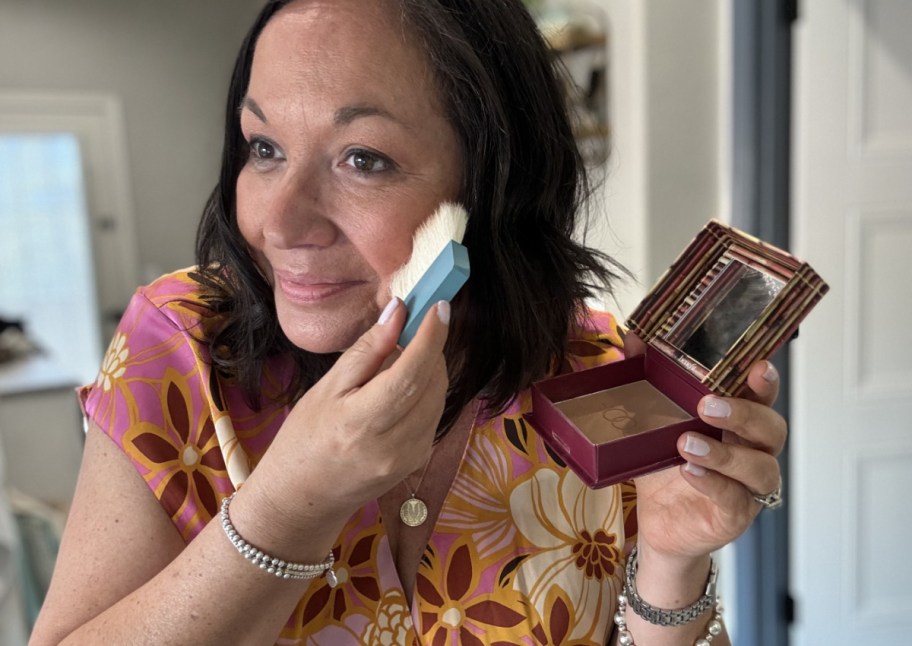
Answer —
852 388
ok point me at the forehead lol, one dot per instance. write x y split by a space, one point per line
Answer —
369 17
353 44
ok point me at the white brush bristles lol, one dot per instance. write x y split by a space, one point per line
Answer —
447 223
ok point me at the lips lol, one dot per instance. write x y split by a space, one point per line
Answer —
307 289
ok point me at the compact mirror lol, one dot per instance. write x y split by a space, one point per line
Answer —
725 310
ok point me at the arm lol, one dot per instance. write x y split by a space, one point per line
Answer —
685 514
124 575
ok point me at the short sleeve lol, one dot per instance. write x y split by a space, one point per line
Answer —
152 398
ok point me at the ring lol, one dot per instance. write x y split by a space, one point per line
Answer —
771 500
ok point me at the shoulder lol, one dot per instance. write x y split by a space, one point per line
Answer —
179 298
163 331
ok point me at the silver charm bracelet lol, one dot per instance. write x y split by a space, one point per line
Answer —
271 564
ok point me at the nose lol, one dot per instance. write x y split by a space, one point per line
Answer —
297 214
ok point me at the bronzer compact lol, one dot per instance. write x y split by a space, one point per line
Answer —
728 301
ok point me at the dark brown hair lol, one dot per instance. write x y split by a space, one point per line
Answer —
524 186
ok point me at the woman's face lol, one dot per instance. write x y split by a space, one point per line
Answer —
349 152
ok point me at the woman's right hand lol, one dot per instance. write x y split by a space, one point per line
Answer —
367 424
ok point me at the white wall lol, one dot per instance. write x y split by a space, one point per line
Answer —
670 169
668 113
169 61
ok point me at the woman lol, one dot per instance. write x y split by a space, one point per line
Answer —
348 123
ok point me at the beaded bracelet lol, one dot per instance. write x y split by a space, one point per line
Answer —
272 564
713 629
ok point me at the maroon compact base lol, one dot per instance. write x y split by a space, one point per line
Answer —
603 463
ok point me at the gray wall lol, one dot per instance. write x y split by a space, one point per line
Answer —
169 61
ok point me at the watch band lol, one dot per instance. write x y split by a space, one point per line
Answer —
663 617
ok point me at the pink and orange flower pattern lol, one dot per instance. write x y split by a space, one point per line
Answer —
522 553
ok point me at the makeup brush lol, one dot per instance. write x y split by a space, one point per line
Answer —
437 268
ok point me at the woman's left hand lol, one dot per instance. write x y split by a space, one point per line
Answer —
688 512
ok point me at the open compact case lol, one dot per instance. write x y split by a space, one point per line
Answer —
728 301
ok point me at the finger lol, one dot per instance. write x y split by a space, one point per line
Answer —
420 362
370 353
633 345
727 494
755 423
414 386
763 381
756 471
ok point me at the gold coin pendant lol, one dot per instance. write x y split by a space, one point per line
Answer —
413 512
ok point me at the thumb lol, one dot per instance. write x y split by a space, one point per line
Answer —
371 352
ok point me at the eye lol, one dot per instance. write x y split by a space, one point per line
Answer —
368 162
263 154
262 149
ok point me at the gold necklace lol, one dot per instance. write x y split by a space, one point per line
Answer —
414 511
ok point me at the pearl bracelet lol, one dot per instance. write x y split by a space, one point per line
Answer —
713 629
272 564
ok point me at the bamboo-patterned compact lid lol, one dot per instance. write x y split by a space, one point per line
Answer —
728 301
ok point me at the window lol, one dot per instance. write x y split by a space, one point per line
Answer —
46 268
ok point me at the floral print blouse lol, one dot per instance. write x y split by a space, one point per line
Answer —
522 552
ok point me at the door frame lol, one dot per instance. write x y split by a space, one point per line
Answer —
761 169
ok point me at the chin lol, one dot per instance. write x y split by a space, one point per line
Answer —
323 335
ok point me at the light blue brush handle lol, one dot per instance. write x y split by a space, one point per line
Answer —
442 280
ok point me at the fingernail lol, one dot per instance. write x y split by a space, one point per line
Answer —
695 446
771 374
716 407
388 311
694 469
443 312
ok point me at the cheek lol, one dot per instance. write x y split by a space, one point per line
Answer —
385 242
245 220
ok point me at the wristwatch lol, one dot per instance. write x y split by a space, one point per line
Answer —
660 616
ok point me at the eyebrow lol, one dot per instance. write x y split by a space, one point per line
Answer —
346 115
254 107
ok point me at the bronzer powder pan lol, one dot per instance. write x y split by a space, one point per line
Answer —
611 414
